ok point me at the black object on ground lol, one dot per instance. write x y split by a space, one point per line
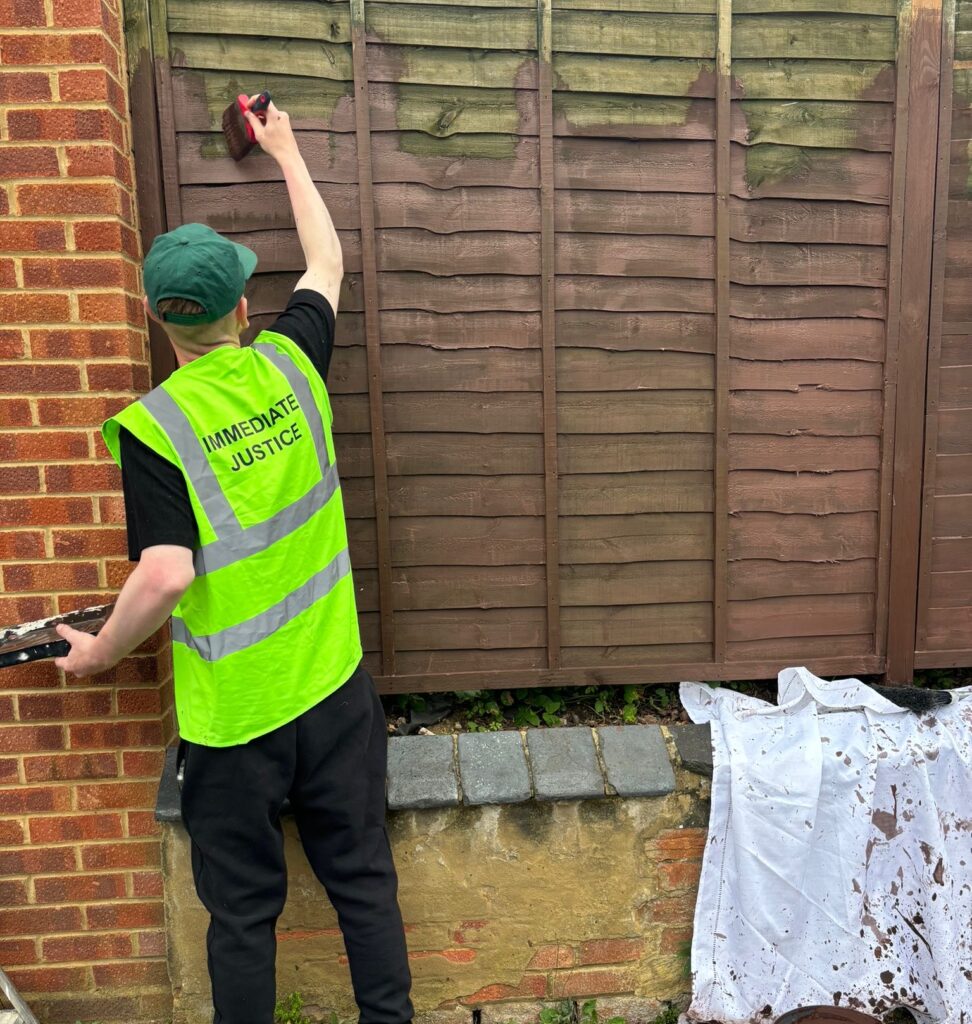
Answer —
913 698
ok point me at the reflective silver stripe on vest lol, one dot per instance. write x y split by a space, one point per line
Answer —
179 430
302 392
226 551
238 638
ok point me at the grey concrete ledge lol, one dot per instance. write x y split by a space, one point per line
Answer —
475 769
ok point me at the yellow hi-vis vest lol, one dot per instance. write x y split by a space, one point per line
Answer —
267 628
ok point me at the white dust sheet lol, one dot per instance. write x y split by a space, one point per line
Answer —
838 869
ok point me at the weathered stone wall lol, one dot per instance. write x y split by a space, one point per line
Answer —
506 906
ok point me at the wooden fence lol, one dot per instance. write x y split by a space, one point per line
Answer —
634 340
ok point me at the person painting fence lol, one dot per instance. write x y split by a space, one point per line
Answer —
236 521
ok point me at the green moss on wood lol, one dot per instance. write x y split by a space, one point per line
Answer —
814 79
443 112
471 147
305 99
642 76
816 123
621 111
768 164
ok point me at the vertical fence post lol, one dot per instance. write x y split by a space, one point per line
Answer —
548 324
369 264
919 55
723 166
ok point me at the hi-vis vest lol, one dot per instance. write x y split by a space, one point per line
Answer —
268 628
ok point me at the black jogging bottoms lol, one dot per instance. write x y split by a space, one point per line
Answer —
331 763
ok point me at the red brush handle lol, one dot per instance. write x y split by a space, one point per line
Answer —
258 107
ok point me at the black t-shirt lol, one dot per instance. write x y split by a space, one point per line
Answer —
157 505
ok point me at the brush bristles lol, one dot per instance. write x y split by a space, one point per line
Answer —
234 130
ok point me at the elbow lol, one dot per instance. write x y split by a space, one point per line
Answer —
168 582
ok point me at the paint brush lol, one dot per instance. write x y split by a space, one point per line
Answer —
33 641
236 129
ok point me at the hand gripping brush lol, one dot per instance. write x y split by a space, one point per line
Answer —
239 135
33 641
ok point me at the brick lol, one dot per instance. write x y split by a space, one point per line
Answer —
8 273
78 412
86 947
40 377
31 921
72 705
127 377
15 952
24 609
90 1006
112 916
27 307
123 795
22 13
143 763
40 445
111 509
73 273
24 87
147 883
64 124
22 738
530 987
61 767
12 893
548 958
19 479
81 14
91 84
673 910
50 576
131 671
37 860
9 771
43 511
57 48
117 572
592 983
143 701
68 197
33 236
151 943
79 888
110 307
33 676
673 940
75 826
681 844
91 735
14 412
28 162
99 541
96 161
74 602
11 341
85 342
106 236
143 823
131 975
84 477
679 874
11 834
50 979
6 709
121 855
610 951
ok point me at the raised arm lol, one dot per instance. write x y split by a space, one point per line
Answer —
318 239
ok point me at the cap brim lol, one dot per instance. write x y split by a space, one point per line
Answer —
247 257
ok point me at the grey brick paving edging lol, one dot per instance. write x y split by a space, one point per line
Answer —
502 767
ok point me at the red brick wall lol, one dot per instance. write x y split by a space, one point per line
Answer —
81 921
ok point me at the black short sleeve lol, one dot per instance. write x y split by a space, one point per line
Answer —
157 505
308 321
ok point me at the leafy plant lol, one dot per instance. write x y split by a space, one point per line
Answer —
290 1010
668 1016
588 1014
562 1013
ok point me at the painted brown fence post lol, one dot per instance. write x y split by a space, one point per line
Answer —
920 47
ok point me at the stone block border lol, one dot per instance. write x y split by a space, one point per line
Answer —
474 769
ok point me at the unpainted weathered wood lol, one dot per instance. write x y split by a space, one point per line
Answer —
644 74
661 35
803 538
826 124
833 37
767 170
886 8
816 493
782 79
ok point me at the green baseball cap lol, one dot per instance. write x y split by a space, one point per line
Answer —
194 262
